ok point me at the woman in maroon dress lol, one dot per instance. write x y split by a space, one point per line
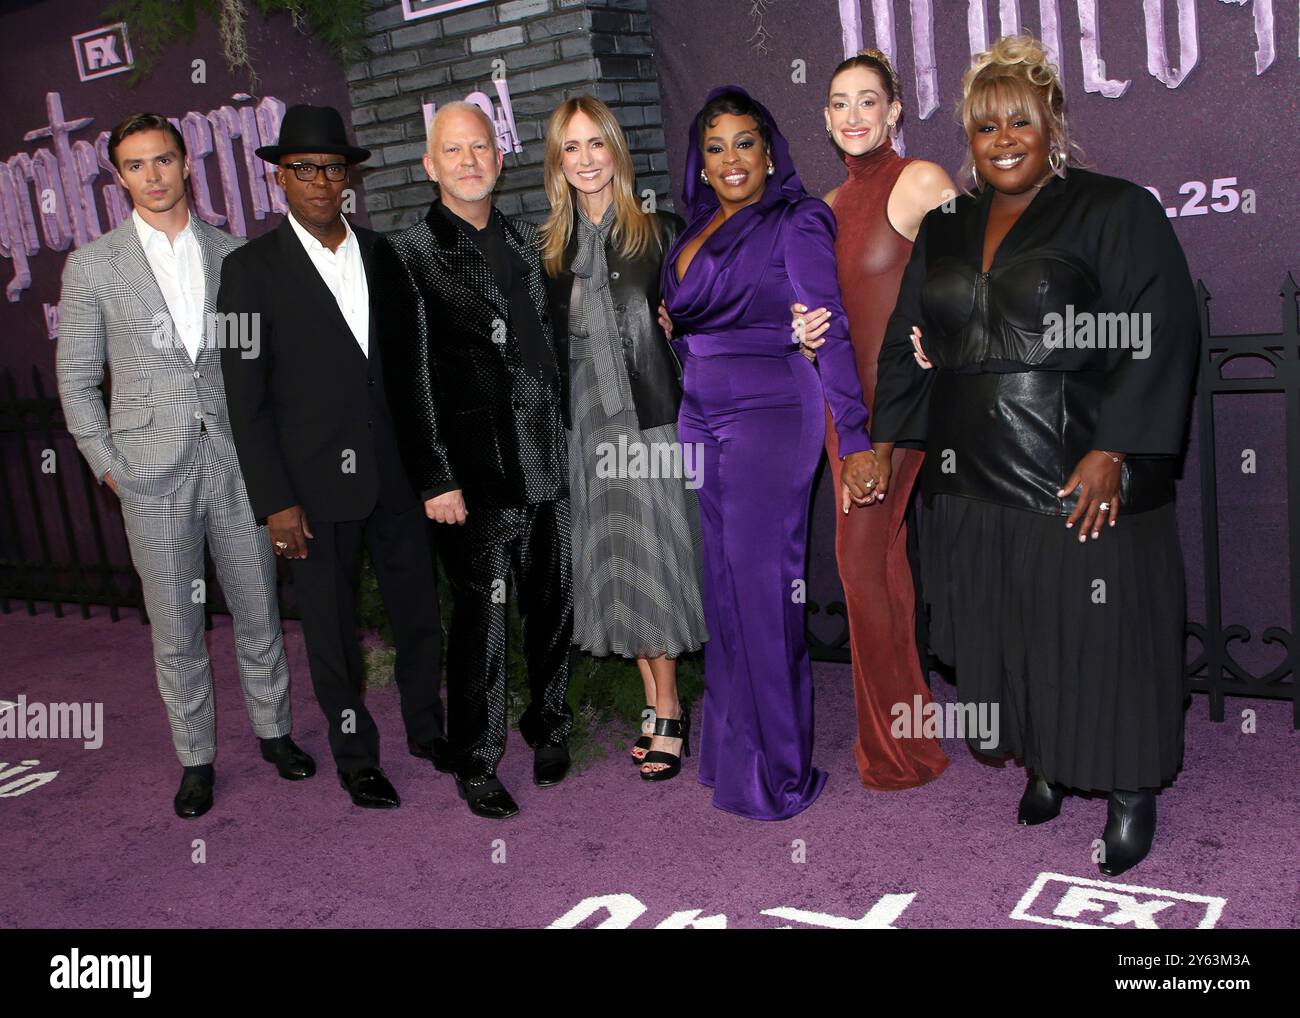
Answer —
878 211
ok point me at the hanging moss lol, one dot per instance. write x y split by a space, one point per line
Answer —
155 25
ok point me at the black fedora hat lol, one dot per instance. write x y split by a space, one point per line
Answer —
313 129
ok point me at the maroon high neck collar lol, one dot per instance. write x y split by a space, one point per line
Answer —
870 162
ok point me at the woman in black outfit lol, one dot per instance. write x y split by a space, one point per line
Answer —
1050 556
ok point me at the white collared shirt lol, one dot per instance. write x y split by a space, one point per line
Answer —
345 275
178 268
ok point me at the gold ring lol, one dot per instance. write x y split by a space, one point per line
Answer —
281 545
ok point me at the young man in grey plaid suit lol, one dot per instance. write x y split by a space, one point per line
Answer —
142 299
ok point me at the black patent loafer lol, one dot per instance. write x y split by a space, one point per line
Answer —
194 797
370 788
291 762
487 797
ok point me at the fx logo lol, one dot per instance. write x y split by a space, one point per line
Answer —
1081 904
102 51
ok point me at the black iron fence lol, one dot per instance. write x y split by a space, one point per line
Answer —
62 541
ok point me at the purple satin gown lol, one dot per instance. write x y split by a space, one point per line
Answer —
756 408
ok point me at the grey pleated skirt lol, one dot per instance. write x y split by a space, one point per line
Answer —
636 539
1080 646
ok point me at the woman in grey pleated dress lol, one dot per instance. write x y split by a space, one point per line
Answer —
636 531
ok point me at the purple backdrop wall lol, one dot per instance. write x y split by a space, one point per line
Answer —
42 75
62 95
1198 91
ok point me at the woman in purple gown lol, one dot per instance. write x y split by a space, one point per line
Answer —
753 408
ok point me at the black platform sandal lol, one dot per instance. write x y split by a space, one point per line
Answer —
647 730
671 728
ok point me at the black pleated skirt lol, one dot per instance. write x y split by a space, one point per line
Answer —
1079 646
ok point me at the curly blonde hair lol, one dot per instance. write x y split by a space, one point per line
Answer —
1015 74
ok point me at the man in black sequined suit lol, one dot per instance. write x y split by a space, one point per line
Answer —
474 384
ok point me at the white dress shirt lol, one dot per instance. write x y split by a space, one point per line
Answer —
345 275
178 268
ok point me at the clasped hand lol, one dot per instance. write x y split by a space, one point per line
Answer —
864 479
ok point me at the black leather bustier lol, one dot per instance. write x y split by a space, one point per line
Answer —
983 319
1010 431
1018 394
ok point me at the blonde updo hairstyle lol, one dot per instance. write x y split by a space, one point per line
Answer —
1014 74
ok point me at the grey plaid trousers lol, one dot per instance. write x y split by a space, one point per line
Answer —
167 538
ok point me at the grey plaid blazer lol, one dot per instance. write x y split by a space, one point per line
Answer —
112 311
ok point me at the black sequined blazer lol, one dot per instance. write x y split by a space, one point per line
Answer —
468 416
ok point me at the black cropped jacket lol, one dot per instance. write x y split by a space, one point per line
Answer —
1082 335
653 371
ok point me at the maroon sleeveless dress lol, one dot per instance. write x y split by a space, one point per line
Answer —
871 543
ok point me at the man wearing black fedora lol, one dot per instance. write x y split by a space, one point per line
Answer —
317 446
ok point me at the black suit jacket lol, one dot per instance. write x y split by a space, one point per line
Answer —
653 372
308 413
468 415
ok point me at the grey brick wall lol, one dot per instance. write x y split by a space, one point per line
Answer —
552 49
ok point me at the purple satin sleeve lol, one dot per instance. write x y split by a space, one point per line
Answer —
810 263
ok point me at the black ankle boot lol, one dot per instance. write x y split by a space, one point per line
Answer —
1040 803
1130 828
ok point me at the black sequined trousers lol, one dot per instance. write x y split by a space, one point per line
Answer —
526 549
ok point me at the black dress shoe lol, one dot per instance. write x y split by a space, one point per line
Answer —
1040 803
436 749
291 762
550 764
194 797
487 797
369 788
550 759
1130 829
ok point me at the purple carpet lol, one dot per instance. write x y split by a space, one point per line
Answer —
97 845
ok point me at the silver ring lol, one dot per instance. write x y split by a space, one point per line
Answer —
1104 506
871 484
